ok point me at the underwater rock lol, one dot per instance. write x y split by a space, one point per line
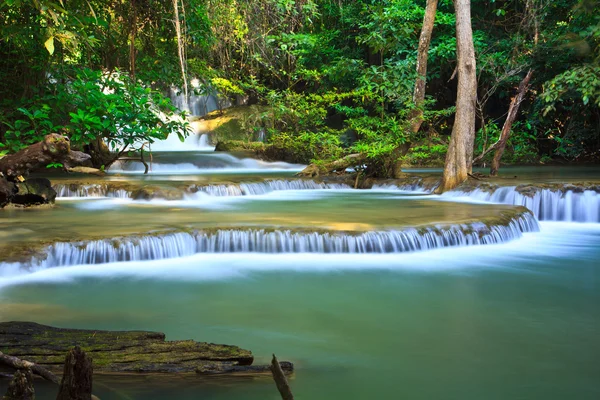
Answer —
34 191
155 192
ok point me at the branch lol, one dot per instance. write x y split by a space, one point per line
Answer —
17 363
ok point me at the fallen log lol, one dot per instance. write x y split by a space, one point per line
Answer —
18 364
54 148
350 161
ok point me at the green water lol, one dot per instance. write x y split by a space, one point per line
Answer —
342 210
518 320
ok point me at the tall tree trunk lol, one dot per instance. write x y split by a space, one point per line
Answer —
180 48
422 56
513 110
459 159
132 41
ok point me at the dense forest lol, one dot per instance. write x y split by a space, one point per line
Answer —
377 78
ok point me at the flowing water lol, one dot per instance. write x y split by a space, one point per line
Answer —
381 293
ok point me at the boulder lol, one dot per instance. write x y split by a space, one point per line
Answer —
34 191
7 191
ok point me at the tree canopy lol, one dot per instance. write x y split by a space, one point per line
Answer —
337 76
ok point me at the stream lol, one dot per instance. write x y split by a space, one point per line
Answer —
384 293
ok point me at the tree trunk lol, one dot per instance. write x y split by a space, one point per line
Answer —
53 149
76 382
280 380
132 41
513 110
180 49
422 56
459 158
21 386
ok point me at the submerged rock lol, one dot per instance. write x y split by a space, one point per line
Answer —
118 351
156 192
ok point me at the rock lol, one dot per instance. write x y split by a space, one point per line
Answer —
156 192
76 382
87 170
21 386
115 351
7 191
34 191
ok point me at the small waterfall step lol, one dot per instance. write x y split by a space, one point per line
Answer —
569 203
498 229
124 191
578 202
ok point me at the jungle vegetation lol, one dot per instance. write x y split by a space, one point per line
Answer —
375 77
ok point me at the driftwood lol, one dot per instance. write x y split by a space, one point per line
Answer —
21 386
76 382
17 363
349 161
54 148
280 380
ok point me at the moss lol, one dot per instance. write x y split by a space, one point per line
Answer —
115 351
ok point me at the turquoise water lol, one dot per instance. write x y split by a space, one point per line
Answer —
516 320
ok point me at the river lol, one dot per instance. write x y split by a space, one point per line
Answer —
512 316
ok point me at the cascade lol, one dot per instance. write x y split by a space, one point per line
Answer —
258 188
546 204
90 190
282 241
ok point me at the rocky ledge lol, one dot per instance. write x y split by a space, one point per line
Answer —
124 351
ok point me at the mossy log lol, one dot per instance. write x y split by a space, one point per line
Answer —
121 351
54 148
350 161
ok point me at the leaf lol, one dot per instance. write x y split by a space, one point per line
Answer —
50 45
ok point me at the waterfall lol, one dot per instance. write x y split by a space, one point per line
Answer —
240 189
283 241
576 205
91 190
258 188
204 143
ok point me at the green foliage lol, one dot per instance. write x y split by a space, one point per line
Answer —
94 106
582 84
